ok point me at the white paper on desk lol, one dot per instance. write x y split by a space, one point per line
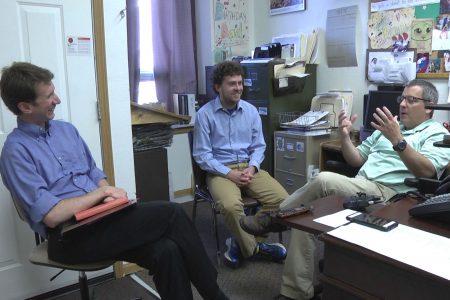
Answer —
423 250
336 219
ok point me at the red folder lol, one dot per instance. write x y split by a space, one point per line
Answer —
100 208
73 224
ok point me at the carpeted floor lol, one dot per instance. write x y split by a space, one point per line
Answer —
258 280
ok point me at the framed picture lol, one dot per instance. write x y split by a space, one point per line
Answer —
385 66
286 6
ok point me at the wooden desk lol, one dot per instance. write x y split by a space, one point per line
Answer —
353 272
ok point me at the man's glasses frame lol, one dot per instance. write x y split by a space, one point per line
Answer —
410 99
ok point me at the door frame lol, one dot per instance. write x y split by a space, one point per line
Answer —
102 89
121 269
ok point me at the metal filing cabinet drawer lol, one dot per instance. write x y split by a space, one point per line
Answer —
296 154
291 182
289 154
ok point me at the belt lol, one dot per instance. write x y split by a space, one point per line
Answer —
239 166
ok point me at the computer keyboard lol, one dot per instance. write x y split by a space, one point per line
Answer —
437 207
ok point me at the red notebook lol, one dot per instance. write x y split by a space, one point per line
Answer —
97 215
100 208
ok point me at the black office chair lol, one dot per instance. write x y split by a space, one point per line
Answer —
431 186
201 194
341 167
39 256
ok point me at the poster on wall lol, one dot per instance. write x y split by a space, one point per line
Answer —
380 5
231 29
387 24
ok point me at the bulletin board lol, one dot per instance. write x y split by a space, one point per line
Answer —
400 25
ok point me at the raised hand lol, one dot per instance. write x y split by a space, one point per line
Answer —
387 124
346 123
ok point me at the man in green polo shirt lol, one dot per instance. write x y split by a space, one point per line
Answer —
401 147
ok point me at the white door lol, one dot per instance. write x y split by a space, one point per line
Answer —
56 35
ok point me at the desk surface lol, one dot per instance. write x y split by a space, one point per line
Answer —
319 208
353 272
397 211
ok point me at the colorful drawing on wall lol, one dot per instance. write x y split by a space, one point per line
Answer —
421 33
444 55
231 26
441 38
230 29
384 25
286 6
422 62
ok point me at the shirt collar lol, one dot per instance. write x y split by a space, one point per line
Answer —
218 105
33 130
418 128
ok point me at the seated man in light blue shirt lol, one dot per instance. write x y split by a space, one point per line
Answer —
229 145
395 151
49 170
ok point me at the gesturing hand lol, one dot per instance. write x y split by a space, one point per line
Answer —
345 123
387 124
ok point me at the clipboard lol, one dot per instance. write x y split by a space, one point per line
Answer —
73 224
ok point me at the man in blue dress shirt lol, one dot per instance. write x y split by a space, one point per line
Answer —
49 169
229 145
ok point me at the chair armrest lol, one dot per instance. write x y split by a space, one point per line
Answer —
424 185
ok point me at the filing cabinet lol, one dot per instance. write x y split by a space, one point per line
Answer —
260 89
297 157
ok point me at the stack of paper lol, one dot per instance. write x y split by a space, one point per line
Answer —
310 47
309 120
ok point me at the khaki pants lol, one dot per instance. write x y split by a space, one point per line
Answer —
228 197
298 272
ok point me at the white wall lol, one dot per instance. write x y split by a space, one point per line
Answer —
179 161
266 26
119 97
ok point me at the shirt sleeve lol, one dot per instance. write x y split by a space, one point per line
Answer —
22 179
202 148
439 156
364 148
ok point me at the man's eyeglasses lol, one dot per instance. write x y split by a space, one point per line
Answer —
410 99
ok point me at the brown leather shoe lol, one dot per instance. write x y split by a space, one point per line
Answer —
260 224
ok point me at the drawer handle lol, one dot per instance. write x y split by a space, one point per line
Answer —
289 157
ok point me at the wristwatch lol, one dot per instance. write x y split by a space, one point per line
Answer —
400 146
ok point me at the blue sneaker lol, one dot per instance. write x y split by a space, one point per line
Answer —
233 254
275 252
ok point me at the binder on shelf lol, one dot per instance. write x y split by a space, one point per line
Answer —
184 104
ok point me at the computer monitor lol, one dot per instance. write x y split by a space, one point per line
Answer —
380 99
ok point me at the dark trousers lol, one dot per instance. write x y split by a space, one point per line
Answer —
156 235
